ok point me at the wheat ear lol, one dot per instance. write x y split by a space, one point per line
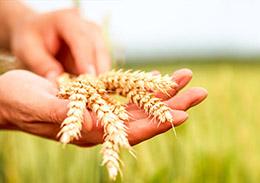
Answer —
152 105
71 127
128 80
115 135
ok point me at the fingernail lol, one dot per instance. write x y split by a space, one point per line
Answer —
52 75
91 70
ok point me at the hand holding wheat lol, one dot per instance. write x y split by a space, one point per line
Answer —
28 103
94 94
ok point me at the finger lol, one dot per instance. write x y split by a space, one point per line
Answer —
38 59
74 31
103 61
187 99
145 129
182 77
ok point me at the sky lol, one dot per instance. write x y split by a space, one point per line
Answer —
173 27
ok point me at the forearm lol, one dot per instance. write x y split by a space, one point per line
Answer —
11 13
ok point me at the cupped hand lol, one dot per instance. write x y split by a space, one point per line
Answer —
51 43
141 127
28 103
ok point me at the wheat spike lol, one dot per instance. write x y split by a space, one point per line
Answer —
128 80
72 125
115 135
151 105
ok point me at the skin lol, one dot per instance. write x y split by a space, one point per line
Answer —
29 104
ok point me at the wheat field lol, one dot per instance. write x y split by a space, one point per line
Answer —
218 143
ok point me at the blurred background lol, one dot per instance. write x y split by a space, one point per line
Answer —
220 41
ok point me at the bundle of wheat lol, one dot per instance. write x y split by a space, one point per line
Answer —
85 91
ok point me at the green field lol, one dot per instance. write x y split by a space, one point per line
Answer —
219 143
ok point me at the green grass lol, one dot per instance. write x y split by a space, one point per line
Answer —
219 143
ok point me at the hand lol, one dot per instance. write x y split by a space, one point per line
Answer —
28 103
141 127
51 43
